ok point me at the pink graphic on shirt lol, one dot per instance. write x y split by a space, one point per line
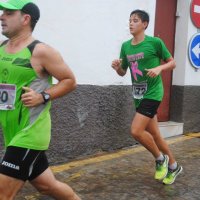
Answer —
135 70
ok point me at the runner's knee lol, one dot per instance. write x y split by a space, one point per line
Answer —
135 133
47 189
53 188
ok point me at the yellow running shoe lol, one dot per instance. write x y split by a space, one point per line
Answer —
172 174
161 168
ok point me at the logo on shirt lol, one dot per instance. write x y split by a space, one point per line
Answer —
22 62
134 64
135 57
135 70
4 75
6 59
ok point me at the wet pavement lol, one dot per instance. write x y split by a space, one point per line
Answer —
128 175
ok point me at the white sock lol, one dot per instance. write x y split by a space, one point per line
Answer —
160 157
173 166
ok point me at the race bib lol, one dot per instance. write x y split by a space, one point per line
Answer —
7 96
139 90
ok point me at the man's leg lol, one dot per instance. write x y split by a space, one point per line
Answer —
139 124
174 168
13 172
9 187
153 129
138 131
47 184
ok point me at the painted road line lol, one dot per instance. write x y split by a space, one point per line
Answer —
110 156
195 135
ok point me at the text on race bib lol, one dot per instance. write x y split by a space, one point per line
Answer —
139 89
7 96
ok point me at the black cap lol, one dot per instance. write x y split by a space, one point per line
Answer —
32 10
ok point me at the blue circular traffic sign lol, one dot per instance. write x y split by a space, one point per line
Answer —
194 51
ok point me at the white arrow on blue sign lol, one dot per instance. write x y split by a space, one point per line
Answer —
194 50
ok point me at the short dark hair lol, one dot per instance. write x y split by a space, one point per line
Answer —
143 15
32 10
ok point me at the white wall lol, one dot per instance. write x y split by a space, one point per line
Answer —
89 33
185 73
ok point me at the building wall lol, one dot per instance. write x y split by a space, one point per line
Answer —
89 34
91 119
186 81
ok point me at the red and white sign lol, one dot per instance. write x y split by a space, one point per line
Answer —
195 12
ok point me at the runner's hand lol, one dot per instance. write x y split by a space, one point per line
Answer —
116 64
31 98
153 72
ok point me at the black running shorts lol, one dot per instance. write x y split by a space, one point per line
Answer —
23 164
148 107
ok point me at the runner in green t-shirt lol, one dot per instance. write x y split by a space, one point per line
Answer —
26 68
142 55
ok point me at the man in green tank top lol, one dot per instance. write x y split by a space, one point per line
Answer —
142 55
26 70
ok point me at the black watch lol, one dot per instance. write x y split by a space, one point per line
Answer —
45 96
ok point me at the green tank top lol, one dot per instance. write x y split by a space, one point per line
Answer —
23 127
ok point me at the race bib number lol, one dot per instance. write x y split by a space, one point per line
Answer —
7 96
139 90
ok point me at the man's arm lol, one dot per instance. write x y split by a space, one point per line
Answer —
116 65
48 60
169 65
54 64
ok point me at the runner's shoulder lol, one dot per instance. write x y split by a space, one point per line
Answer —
127 42
153 39
43 49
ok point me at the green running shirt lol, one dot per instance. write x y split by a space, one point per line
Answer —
145 55
22 127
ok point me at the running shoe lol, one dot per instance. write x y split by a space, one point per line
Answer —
161 168
172 174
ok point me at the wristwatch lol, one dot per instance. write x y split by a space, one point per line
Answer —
45 96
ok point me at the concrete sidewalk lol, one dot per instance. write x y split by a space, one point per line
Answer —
128 175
